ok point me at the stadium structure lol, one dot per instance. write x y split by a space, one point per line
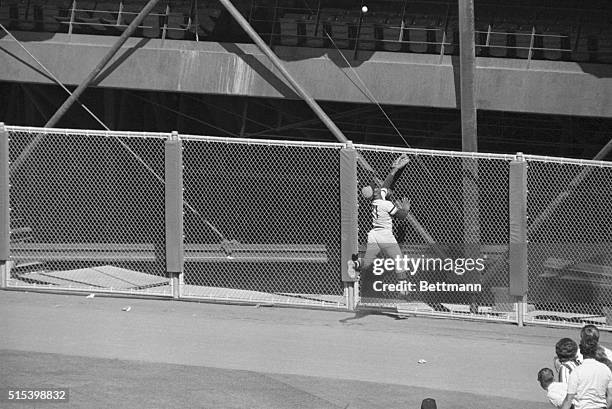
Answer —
542 70
465 76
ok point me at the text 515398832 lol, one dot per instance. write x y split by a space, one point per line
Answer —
55 395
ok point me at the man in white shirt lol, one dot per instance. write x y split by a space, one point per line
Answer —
590 384
555 391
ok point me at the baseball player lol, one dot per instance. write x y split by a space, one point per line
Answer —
381 238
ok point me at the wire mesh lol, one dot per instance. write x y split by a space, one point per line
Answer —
85 213
570 241
263 222
460 209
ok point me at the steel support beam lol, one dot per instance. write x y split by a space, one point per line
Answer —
561 197
605 151
467 73
105 60
86 82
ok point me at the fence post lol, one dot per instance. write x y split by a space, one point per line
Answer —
5 210
349 219
174 212
517 251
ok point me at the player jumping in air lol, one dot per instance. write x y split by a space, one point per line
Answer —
381 238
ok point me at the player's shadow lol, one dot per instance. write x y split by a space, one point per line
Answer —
359 314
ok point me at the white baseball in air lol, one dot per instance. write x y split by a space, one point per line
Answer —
364 9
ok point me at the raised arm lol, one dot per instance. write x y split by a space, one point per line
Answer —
397 167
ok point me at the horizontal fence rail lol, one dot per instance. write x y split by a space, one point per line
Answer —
262 223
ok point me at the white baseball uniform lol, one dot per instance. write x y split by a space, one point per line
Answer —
381 238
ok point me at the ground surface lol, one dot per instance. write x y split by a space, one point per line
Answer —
166 354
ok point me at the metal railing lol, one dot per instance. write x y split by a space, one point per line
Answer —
262 222
312 27
107 21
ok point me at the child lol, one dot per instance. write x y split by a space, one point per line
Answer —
555 391
566 350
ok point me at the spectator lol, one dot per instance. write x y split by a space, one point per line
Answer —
555 391
566 350
591 331
429 403
590 384
600 356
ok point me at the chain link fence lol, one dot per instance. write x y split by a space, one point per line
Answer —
262 221
85 210
570 241
459 205
262 224
260 217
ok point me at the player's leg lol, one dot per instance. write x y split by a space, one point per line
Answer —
364 265
392 250
372 251
366 262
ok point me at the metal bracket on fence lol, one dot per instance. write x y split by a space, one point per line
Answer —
521 310
5 210
174 212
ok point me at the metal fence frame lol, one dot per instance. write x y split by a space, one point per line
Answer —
348 295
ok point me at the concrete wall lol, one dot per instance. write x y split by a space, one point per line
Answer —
240 69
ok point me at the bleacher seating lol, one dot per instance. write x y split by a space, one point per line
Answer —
292 28
175 26
314 31
367 34
452 35
502 31
393 34
337 24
